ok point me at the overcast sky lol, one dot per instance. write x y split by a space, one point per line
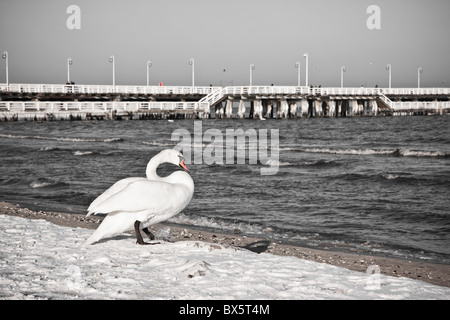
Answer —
224 38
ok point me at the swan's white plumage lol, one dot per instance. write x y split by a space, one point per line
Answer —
115 188
149 200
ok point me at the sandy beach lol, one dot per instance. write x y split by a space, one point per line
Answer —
437 274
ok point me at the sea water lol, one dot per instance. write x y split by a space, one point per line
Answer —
370 185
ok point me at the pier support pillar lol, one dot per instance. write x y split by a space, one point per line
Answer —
345 108
229 109
374 107
360 108
219 110
311 109
293 109
265 106
354 107
241 110
304 108
257 109
316 108
332 108
269 109
339 108
282 109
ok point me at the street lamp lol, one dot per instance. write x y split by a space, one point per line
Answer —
297 65
5 56
389 68
69 63
149 64
113 61
252 67
343 69
419 71
370 75
306 56
192 63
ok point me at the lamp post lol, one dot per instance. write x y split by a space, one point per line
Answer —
389 68
5 56
113 61
69 63
297 65
343 69
306 56
252 67
370 75
419 71
192 63
149 64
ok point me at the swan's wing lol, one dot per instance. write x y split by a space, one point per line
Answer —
115 188
153 196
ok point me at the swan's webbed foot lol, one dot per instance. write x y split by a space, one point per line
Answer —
139 239
150 235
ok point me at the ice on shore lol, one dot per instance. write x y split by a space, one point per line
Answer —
40 260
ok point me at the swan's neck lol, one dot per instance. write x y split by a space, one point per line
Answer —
177 177
151 168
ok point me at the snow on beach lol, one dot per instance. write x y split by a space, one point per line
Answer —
40 260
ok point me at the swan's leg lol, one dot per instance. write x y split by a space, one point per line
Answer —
150 235
139 239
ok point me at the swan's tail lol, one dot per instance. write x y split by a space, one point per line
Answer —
103 230
109 227
96 236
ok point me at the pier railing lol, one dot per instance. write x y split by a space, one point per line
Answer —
234 90
100 107
413 106
103 89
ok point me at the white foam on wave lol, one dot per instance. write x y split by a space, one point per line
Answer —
398 152
11 136
391 176
47 149
159 144
349 151
42 183
226 226
82 153
417 153
276 163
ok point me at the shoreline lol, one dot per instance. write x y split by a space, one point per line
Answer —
437 274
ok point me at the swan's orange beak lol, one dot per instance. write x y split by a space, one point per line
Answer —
183 165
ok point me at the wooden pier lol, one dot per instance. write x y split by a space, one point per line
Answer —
55 102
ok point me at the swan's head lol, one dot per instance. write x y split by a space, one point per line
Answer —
175 157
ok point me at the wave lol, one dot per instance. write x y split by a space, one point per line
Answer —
391 176
277 163
382 152
220 144
82 153
416 153
43 183
403 178
159 143
321 163
78 152
224 225
109 140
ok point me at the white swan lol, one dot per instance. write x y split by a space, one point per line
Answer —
136 203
